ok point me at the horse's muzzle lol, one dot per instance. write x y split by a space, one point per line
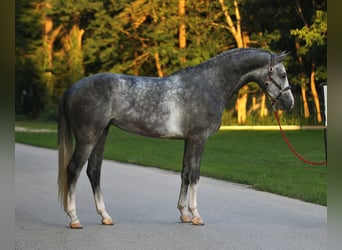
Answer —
285 101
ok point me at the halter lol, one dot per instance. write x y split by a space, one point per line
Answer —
269 80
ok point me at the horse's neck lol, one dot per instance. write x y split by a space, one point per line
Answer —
233 71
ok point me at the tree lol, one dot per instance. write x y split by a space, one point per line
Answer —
58 42
241 39
314 37
182 28
278 35
33 67
152 28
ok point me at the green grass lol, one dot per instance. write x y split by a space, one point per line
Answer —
22 121
260 159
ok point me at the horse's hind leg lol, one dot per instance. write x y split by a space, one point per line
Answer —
79 157
94 175
183 195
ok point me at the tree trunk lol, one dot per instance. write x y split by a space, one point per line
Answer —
305 102
303 82
241 107
236 31
254 105
182 28
156 58
49 38
242 40
314 92
263 108
73 46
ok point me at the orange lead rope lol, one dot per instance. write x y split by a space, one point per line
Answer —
292 149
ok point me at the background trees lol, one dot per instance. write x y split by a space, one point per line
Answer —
59 42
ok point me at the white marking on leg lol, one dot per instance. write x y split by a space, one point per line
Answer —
71 208
71 204
101 209
193 200
183 204
196 218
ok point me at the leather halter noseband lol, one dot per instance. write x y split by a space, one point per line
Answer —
269 80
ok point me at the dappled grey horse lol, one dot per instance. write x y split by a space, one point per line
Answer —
186 105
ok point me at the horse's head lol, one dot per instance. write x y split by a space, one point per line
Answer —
276 84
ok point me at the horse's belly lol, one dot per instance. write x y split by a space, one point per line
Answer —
154 124
150 129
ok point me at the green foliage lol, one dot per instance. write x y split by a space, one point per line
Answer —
127 36
316 34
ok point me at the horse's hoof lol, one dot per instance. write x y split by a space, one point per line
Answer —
108 222
76 225
185 219
197 221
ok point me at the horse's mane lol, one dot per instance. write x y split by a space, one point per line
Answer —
241 51
223 55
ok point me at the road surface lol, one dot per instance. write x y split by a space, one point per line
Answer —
142 202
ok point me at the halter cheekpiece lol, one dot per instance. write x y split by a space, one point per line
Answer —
269 80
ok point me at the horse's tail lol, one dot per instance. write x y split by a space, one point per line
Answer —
64 152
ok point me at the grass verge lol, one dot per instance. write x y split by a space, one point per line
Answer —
260 159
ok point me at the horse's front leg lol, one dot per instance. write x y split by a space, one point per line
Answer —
193 151
183 198
196 218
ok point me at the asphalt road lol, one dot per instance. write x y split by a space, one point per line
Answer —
142 202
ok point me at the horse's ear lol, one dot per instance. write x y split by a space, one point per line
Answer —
284 54
281 56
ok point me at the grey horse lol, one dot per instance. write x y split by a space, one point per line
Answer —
186 105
